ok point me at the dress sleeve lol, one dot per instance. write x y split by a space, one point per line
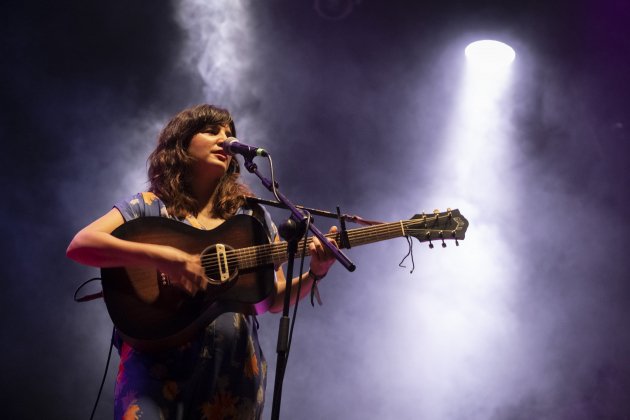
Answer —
144 204
272 230
263 216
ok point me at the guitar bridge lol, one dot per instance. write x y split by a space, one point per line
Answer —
222 262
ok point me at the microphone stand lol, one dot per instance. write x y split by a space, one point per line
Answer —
298 220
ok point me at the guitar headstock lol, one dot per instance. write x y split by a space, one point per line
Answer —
438 226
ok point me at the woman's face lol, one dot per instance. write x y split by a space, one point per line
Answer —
206 149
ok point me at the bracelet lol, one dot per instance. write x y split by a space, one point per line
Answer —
315 276
314 289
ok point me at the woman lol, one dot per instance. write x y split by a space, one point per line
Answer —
221 372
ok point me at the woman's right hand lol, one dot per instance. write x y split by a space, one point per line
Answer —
182 270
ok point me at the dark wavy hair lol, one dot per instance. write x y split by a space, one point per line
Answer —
170 165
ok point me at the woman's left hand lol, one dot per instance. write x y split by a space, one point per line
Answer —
321 257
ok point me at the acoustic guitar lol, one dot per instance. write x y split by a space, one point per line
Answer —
239 262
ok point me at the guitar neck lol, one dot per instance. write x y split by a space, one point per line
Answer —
276 253
448 225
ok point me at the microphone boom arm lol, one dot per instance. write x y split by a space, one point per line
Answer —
298 216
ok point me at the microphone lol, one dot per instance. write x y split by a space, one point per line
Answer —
234 147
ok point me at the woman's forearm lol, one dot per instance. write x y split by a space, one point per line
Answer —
101 249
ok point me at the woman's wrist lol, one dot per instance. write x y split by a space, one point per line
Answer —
314 276
314 290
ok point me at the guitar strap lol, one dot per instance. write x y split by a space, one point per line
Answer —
253 204
87 298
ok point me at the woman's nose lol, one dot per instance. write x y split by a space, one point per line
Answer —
222 140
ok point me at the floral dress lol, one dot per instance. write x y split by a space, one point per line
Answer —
219 374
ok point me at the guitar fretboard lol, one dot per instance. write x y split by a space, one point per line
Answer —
424 228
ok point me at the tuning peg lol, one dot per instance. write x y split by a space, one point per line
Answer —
455 237
428 236
442 238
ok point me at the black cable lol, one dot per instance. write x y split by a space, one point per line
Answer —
273 179
409 253
299 288
87 297
100 389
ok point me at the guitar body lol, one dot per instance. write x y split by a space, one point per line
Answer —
151 315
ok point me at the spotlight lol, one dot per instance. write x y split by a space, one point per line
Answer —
489 53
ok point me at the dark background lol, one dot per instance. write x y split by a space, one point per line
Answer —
527 319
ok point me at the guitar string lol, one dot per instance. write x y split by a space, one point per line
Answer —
245 261
357 236
369 232
269 249
263 252
257 255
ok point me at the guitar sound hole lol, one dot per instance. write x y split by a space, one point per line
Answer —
220 264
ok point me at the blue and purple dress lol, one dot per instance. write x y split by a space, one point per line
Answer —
219 374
